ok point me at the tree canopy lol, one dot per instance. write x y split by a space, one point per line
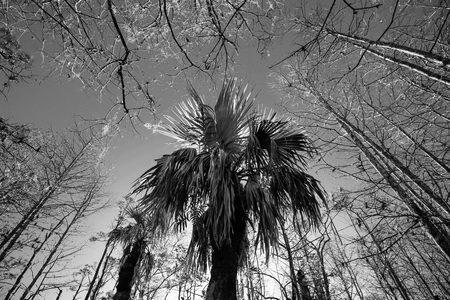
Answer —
124 50
367 80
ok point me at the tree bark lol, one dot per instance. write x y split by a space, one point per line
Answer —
126 273
225 262
222 284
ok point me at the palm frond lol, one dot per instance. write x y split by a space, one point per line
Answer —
171 184
198 254
232 112
189 124
298 191
235 167
135 212
275 141
265 213
147 261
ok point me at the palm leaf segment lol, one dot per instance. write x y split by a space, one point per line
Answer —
230 155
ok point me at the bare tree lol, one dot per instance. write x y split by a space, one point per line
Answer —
15 64
375 90
124 49
50 185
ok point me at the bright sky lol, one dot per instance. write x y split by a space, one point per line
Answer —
53 103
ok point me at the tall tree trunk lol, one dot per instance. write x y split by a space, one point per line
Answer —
36 251
100 282
365 45
48 260
225 261
438 60
222 284
97 270
326 281
294 277
80 285
441 238
126 272
419 273
11 238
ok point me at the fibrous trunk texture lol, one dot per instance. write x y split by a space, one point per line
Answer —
126 273
225 262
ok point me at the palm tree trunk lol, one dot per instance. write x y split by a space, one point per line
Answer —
126 272
225 261
222 284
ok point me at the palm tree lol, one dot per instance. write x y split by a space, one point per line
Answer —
135 257
234 167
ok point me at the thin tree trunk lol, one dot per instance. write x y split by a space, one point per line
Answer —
50 256
387 288
418 272
403 63
97 270
59 294
441 239
250 285
18 281
431 269
294 278
14 234
434 58
100 280
392 273
326 282
79 288
12 237
105 256
419 145
394 276
382 280
90 194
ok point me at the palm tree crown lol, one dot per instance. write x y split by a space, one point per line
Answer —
231 159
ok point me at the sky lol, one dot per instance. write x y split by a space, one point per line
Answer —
53 103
